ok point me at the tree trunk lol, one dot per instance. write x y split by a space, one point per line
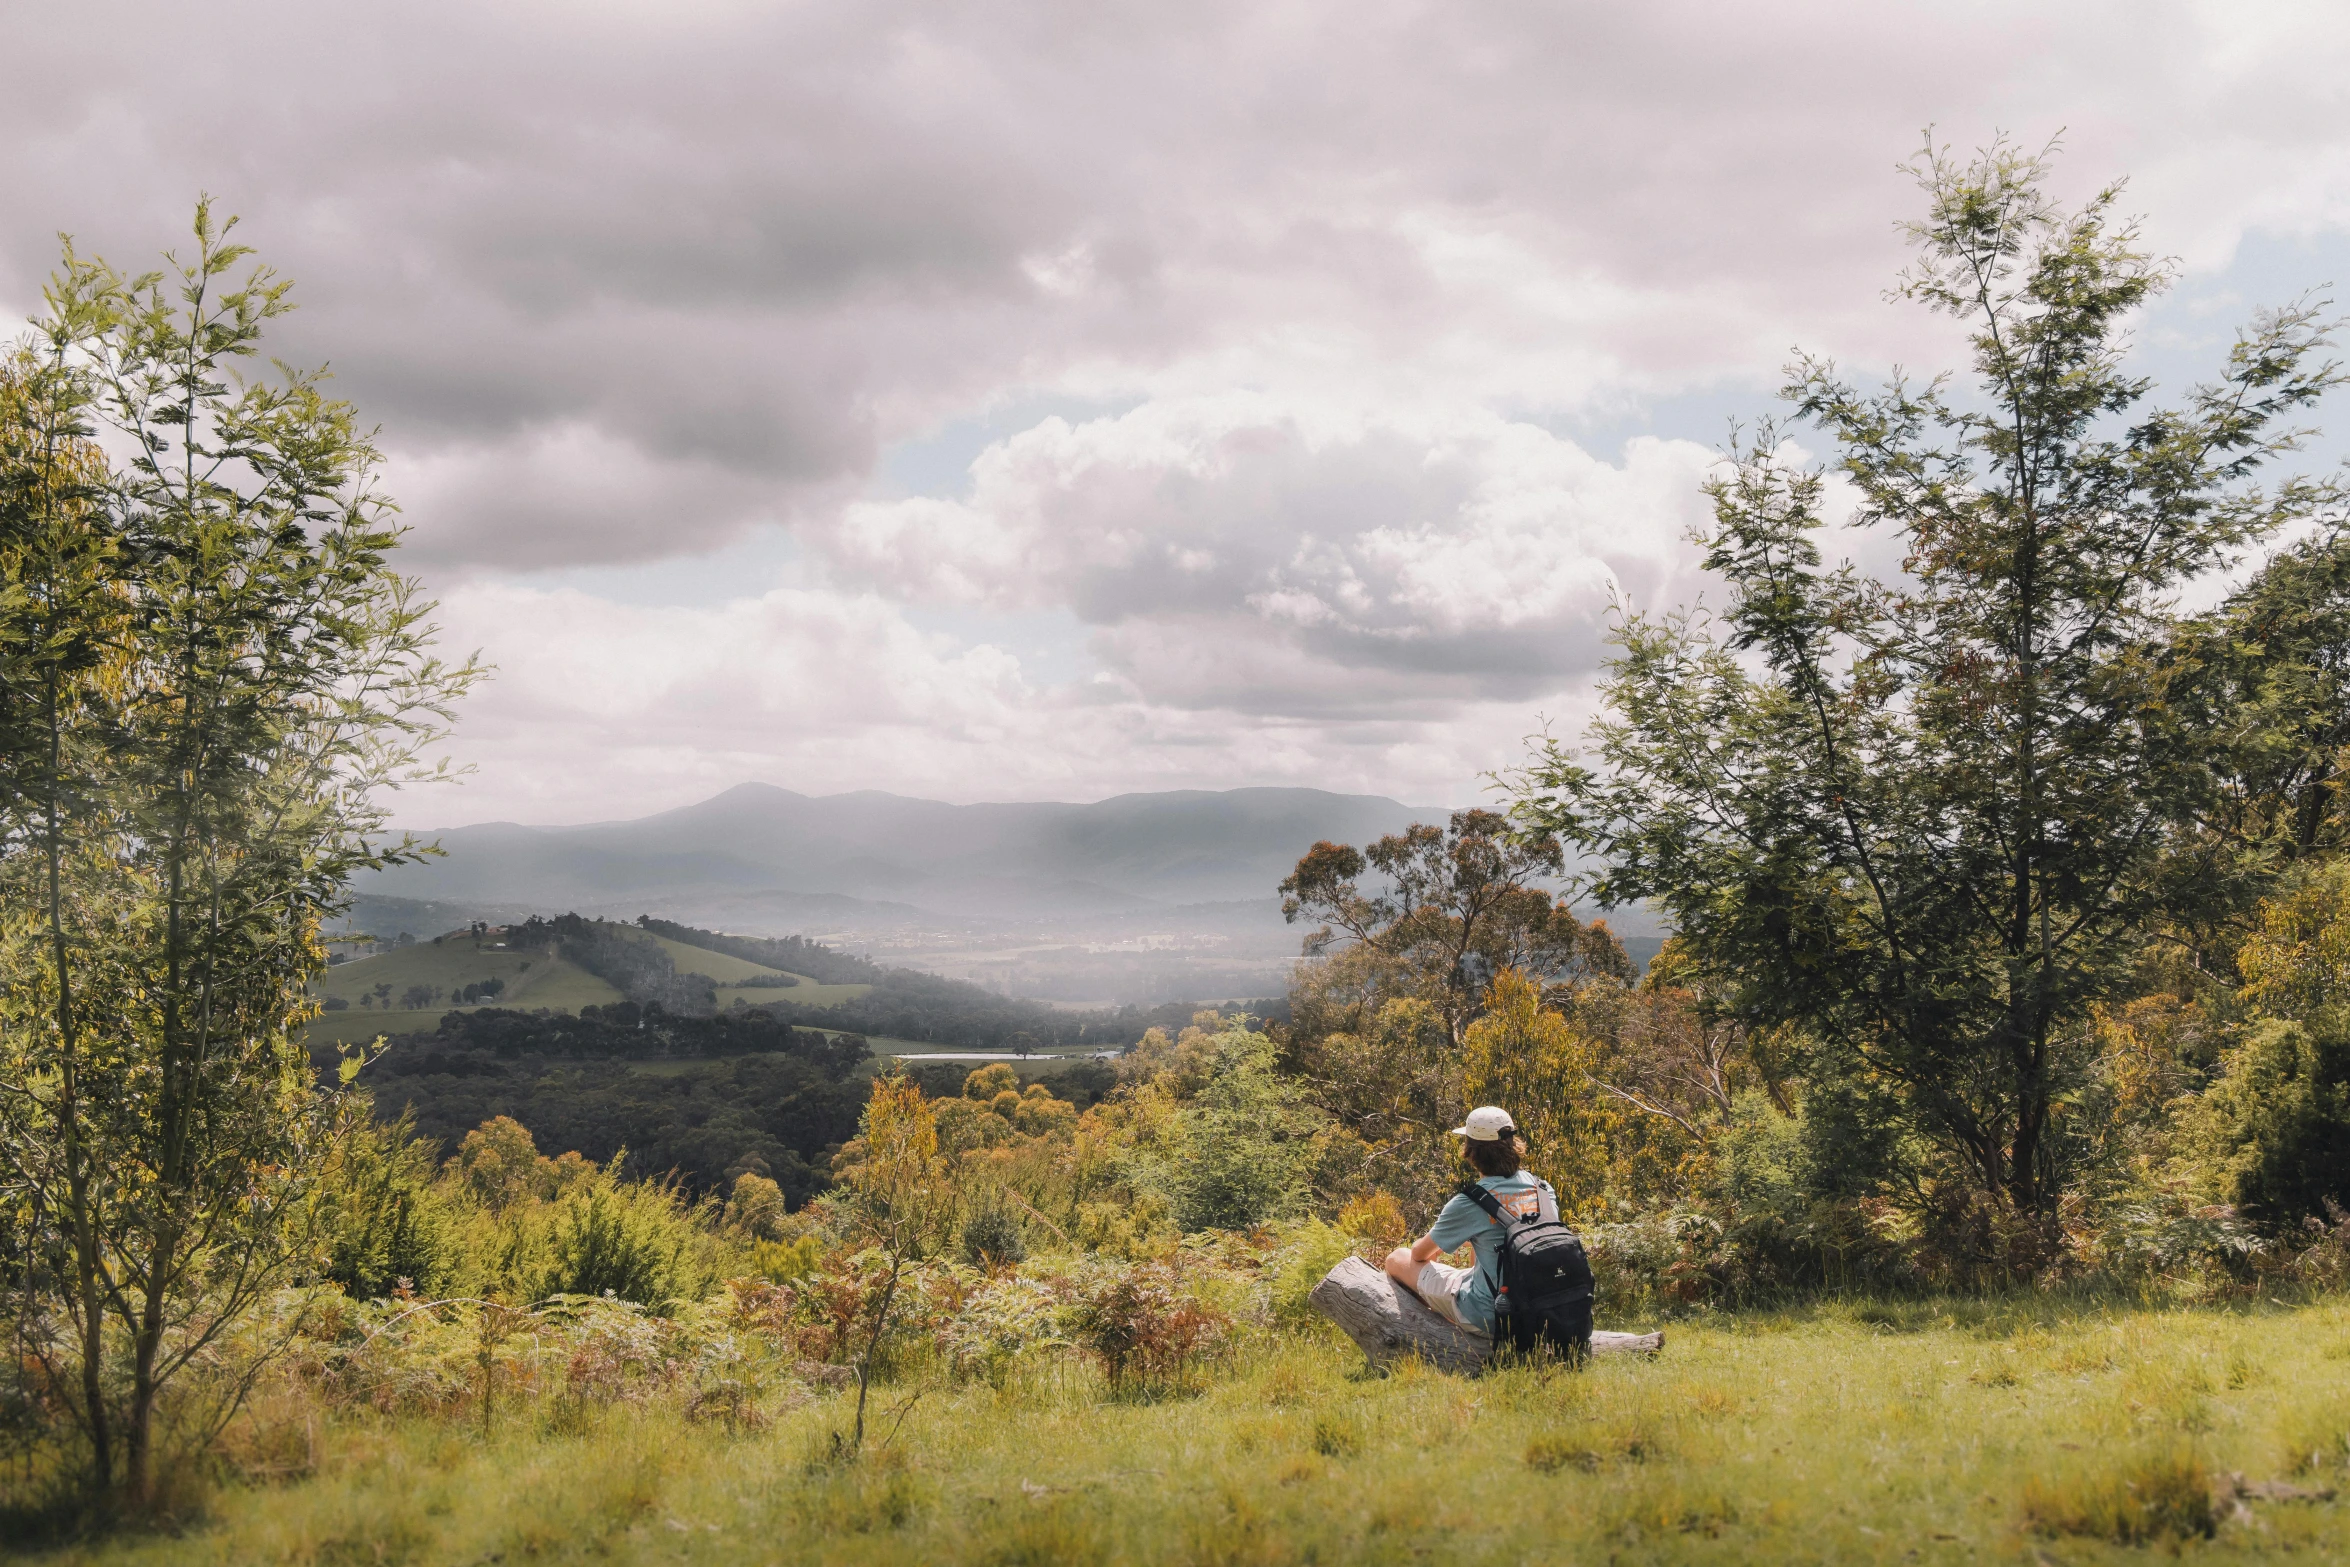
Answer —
1388 1321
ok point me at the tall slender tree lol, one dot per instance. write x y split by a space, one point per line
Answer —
1921 816
213 673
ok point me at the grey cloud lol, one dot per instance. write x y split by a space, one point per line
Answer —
770 240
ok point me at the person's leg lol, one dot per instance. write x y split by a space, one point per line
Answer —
1402 1269
1439 1287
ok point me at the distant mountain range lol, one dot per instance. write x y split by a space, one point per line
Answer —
759 857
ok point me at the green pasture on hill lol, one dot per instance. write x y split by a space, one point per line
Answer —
533 979
1934 1432
730 972
807 993
701 960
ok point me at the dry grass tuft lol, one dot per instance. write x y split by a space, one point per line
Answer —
2151 1497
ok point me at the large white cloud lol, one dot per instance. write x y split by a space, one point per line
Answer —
1240 550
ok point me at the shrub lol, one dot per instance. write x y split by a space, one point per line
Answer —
2276 1126
1244 1147
633 1241
1375 1216
783 1262
500 1164
995 1323
756 1206
1145 1330
379 1222
1309 1256
992 1237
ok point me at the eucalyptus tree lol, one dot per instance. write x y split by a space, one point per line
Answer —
213 673
1450 908
1922 815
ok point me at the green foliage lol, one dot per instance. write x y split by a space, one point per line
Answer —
993 1237
379 1219
2272 1133
756 1206
209 674
1243 1149
2276 1126
1766 1163
1303 1262
785 1262
635 1241
1925 820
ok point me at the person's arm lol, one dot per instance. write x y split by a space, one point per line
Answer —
1404 1266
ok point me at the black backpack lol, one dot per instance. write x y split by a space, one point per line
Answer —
1544 1302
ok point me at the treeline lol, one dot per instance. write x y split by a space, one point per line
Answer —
777 1115
955 1014
623 1031
780 1102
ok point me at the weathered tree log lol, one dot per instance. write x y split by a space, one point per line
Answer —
1387 1321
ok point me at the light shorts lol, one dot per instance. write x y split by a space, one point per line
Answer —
1440 1285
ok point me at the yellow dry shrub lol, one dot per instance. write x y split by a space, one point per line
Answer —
1541 1069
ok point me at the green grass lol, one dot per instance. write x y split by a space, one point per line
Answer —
731 972
701 960
1948 1432
533 980
807 993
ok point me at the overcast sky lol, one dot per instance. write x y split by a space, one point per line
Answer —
1024 401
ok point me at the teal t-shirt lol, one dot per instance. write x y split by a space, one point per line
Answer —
1462 1220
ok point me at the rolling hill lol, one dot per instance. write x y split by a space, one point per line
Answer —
375 988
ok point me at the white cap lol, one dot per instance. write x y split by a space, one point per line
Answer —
1487 1124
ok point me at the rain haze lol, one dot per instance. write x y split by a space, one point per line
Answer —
1044 402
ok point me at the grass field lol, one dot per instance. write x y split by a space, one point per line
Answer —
1934 1432
730 972
533 980
807 993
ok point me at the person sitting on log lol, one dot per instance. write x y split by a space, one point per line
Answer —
1465 1296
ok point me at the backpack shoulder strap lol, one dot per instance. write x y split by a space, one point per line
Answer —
1484 1199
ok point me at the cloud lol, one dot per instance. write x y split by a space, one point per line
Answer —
635 283
618 709
1276 557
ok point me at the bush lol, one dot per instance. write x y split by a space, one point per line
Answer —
1146 1331
756 1207
378 1219
1312 1252
1244 1147
634 1241
2276 1126
992 1237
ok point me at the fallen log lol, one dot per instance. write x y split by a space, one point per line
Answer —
1388 1321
